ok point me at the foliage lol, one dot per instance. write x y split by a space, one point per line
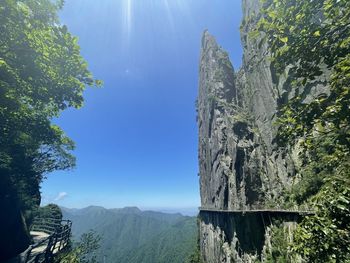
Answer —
310 41
280 246
195 257
311 38
50 211
325 237
41 74
84 251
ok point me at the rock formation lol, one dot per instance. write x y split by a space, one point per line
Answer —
240 166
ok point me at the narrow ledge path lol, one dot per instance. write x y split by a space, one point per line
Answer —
259 210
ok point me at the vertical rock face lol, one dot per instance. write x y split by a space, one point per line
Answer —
217 147
240 169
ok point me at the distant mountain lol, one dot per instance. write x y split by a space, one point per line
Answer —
130 235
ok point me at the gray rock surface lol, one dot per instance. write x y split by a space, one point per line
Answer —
240 167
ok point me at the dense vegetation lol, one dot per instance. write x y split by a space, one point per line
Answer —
41 74
50 211
129 235
310 45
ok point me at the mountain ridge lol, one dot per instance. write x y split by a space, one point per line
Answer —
132 235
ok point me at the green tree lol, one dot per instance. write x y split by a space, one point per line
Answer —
84 250
50 211
41 74
309 43
325 237
311 39
195 257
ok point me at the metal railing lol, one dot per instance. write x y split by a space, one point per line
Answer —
58 232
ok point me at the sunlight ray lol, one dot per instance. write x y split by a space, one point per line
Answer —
127 21
169 15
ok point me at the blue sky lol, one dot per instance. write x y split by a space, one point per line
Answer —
136 138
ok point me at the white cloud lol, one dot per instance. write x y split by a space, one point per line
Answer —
61 196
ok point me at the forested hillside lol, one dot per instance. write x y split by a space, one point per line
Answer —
135 236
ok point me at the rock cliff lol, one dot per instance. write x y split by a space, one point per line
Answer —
240 167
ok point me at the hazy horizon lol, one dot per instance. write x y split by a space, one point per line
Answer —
185 211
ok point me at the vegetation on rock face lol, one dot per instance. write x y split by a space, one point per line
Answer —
196 256
280 244
310 40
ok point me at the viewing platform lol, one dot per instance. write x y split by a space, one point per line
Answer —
49 236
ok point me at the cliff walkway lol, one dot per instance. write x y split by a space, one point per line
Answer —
50 236
302 211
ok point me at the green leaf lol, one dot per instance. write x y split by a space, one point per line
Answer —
317 33
284 39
